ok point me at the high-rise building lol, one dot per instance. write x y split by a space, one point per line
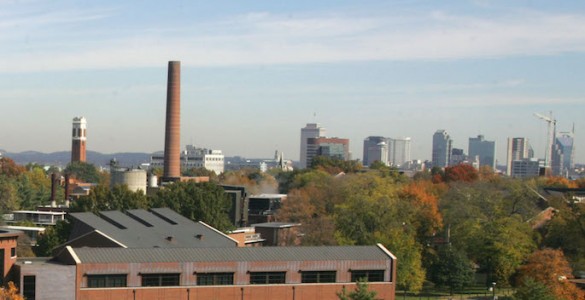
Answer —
329 147
526 168
518 149
442 145
457 157
375 149
563 154
79 138
399 151
484 150
312 130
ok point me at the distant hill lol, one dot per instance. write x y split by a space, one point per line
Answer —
62 158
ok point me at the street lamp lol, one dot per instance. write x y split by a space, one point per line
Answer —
494 290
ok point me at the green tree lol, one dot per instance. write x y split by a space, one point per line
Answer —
9 197
361 292
452 269
53 237
335 165
83 171
205 202
531 289
194 172
101 198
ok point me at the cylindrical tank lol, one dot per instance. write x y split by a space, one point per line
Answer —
135 179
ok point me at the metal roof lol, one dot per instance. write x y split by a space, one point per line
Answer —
159 255
158 227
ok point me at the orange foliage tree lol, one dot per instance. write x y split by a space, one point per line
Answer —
461 172
561 182
550 268
10 292
9 168
426 216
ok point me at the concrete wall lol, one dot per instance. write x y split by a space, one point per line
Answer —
53 281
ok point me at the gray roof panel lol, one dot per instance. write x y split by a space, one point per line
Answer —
144 229
150 255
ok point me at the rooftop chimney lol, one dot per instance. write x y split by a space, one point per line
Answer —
172 164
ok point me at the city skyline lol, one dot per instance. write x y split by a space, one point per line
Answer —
254 74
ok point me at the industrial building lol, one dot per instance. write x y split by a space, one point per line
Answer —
193 157
158 254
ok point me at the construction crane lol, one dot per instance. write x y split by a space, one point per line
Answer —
552 123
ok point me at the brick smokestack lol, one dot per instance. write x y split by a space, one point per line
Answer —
172 164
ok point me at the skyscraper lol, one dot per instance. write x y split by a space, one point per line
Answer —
399 151
312 130
518 149
375 149
442 144
79 139
485 150
563 154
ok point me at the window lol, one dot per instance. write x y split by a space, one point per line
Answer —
267 277
161 279
29 287
318 276
215 278
13 252
106 280
369 275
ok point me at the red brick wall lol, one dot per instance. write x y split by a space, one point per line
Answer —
251 292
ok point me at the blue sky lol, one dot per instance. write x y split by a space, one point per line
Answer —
254 72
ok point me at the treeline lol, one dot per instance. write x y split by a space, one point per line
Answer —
445 226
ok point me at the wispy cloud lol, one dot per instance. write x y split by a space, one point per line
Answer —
264 38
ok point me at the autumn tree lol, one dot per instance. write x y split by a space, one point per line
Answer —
9 168
566 231
550 268
10 292
461 172
423 200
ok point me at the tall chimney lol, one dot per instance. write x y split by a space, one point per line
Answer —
53 190
172 164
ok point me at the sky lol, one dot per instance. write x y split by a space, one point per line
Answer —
255 72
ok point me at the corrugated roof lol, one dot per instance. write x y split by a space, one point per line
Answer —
159 227
150 255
